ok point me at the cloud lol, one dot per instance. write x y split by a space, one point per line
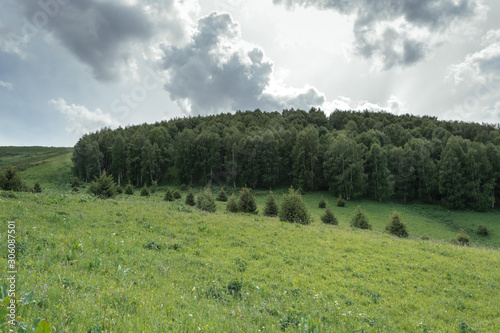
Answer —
81 119
98 33
218 71
482 66
396 33
6 85
393 105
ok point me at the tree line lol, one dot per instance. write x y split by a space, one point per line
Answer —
372 154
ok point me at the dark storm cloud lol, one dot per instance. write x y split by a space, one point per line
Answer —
378 29
96 32
219 71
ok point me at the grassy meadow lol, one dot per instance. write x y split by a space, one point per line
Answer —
138 264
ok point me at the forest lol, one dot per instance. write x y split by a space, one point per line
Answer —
353 154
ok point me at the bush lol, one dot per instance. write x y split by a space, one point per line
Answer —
183 187
462 238
190 198
329 217
10 180
359 220
293 208
129 189
119 190
154 186
322 203
482 230
206 201
232 204
271 208
340 202
246 201
145 191
37 188
177 194
104 186
75 182
222 195
396 227
169 195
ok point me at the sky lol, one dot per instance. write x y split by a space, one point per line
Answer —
70 67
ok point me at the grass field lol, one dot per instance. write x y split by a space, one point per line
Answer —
136 264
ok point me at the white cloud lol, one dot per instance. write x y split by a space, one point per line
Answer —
81 119
393 105
6 85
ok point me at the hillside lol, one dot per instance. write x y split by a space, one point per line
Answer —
135 264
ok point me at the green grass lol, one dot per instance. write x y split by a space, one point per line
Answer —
95 264
135 264
26 157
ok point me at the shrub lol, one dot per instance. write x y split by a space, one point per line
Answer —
145 191
340 202
154 186
482 230
396 227
293 208
222 195
462 238
206 201
271 208
322 203
183 187
232 204
119 189
104 186
10 180
190 198
75 182
329 217
359 220
37 188
177 194
129 189
169 195
246 201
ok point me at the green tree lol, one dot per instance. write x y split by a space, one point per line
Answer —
222 196
10 180
232 204
452 176
359 220
379 179
246 201
185 158
190 198
322 203
396 227
305 153
343 167
103 187
129 189
208 154
37 188
169 195
328 217
145 192
293 208
271 208
119 155
206 201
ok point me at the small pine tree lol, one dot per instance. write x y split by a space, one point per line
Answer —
359 220
129 189
246 201
119 189
104 186
462 238
177 194
340 202
190 198
222 195
183 187
396 227
169 195
293 208
145 191
10 180
37 188
154 186
206 201
271 208
329 217
232 204
482 230
322 203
